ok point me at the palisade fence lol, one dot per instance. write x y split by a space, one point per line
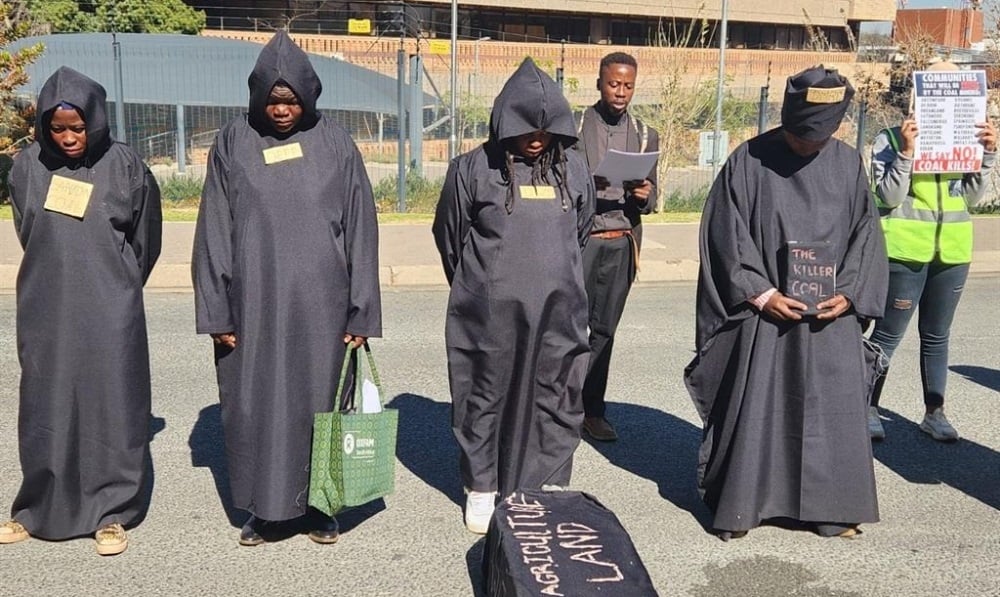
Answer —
174 135
152 129
685 174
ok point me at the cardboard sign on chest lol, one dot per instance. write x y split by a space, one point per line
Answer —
536 193
68 196
282 153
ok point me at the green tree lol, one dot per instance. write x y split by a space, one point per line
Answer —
473 116
15 23
63 16
127 16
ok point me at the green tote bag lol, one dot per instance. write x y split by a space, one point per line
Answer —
353 453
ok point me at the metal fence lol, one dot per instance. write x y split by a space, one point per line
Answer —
686 172
152 130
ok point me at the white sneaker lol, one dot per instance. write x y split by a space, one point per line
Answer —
479 506
875 429
937 425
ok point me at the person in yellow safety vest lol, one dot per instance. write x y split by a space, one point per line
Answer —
928 234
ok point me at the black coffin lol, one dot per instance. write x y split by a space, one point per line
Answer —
560 543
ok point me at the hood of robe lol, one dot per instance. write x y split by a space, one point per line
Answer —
282 60
89 97
530 101
816 100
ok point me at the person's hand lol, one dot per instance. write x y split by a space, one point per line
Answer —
601 183
987 135
639 189
833 307
782 308
354 341
908 132
227 339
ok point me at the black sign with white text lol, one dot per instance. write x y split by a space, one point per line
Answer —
560 543
811 277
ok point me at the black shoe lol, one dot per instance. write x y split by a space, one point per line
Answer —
600 429
250 533
323 529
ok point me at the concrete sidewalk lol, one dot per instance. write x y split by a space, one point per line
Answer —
407 256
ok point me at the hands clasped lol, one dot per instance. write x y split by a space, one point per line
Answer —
783 308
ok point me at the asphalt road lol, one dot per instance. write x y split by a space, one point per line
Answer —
940 504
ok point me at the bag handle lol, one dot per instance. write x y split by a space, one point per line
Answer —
374 373
343 377
359 382
348 354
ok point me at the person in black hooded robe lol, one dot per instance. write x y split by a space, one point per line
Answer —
87 213
510 225
285 273
781 393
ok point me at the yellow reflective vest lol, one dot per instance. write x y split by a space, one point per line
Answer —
931 222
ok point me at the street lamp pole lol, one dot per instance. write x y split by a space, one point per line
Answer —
475 71
453 139
720 84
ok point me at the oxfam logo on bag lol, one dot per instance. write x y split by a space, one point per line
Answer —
348 443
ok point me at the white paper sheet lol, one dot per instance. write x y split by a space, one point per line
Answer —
370 403
619 166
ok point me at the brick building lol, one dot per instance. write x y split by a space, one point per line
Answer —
947 27
774 25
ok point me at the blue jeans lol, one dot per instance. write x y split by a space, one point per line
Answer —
936 288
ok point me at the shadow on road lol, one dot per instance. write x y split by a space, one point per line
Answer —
967 466
659 447
156 425
425 444
209 450
474 562
983 376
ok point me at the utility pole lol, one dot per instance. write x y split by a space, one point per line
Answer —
401 115
119 90
720 85
561 71
453 125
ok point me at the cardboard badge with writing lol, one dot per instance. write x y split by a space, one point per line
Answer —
282 153
560 543
811 274
947 106
68 196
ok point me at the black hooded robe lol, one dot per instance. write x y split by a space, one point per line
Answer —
516 329
83 422
784 404
285 256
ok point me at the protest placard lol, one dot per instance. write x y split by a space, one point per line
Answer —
811 273
948 104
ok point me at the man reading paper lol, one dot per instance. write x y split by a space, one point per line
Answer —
611 258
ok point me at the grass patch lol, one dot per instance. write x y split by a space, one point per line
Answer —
405 219
672 217
421 194
180 214
182 191
685 201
